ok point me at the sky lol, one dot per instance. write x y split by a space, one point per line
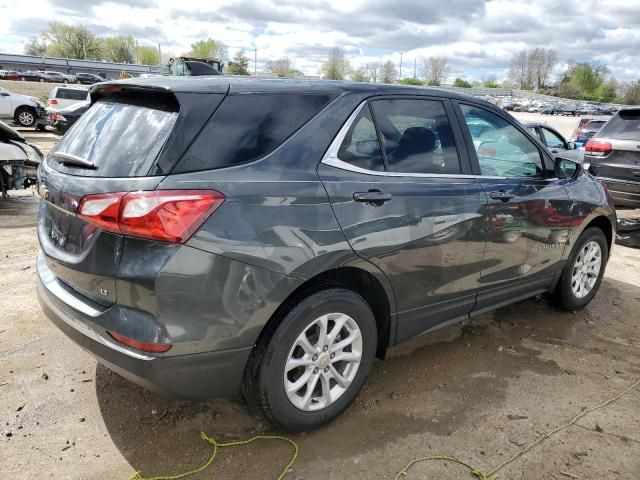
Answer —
478 37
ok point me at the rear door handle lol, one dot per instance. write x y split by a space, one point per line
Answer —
502 195
376 197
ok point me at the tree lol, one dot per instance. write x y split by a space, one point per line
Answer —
532 68
631 93
119 49
239 65
336 67
210 49
373 71
410 81
35 46
462 83
360 75
148 56
72 41
490 82
388 74
435 70
282 67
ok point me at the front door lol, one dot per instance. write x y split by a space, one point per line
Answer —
402 193
528 213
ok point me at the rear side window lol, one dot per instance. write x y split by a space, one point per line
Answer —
624 125
247 127
417 136
119 139
360 146
71 94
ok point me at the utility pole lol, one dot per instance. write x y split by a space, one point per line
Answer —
400 74
255 61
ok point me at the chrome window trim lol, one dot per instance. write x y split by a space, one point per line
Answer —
331 158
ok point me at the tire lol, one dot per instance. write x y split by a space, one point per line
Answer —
265 381
570 293
25 117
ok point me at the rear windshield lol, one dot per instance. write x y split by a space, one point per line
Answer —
119 139
624 125
246 127
72 94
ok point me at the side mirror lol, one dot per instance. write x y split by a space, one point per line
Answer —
567 168
571 145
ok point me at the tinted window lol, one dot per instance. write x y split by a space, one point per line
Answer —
120 139
417 136
246 127
624 125
72 94
501 148
533 131
552 140
360 146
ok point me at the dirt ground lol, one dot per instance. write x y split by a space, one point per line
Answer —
478 391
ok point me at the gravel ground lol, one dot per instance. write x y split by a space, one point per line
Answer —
477 391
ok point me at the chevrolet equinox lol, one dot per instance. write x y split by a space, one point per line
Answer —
206 237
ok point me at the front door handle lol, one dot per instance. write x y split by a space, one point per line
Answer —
376 197
502 195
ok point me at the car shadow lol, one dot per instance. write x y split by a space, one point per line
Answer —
436 384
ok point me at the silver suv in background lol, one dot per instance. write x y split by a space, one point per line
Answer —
614 156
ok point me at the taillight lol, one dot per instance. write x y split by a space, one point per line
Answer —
166 215
53 101
144 346
595 147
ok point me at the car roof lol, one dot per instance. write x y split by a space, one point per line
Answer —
239 85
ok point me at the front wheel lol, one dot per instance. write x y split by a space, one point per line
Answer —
313 364
582 274
25 117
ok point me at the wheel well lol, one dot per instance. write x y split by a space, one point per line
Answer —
22 108
360 281
604 224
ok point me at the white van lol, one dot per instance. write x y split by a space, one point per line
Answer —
63 97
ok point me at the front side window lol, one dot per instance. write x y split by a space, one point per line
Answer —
552 140
360 146
501 148
417 136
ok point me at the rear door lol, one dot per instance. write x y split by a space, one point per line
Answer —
528 213
117 146
403 195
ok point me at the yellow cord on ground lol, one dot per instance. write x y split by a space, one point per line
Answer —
214 453
492 474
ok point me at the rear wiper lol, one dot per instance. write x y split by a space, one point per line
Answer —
68 159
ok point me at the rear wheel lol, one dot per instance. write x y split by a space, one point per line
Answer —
583 272
314 363
25 117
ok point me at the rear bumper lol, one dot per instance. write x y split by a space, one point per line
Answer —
200 375
624 193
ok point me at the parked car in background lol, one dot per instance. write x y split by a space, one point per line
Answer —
18 160
60 77
200 254
550 137
63 97
569 111
61 120
88 78
33 76
587 128
614 156
8 75
24 110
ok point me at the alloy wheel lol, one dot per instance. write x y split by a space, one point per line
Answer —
586 269
26 119
323 362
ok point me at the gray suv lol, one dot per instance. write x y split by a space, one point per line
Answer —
215 236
